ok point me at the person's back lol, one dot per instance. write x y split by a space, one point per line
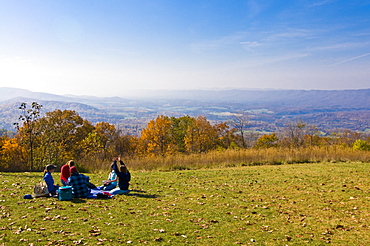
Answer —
123 174
79 185
123 180
65 172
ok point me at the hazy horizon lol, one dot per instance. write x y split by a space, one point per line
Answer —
100 48
144 93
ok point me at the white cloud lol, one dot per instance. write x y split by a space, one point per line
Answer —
351 59
248 45
341 46
324 2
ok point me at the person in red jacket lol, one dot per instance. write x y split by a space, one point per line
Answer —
65 172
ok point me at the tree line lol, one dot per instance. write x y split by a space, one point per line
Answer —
62 135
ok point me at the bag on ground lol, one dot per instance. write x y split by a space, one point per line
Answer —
41 189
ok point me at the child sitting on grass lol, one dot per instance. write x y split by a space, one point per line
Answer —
111 182
48 178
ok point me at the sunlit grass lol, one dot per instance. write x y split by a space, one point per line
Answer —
297 204
241 157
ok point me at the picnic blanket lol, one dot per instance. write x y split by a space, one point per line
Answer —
96 193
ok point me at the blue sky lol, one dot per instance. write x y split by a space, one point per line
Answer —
106 48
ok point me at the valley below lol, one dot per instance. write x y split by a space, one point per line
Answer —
266 111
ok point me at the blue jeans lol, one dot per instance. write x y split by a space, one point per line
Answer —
109 187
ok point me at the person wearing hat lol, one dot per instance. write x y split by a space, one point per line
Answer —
48 178
79 183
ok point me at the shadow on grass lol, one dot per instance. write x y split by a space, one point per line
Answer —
141 193
78 200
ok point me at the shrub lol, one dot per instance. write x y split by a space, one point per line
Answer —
361 145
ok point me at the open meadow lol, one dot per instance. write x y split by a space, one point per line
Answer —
293 204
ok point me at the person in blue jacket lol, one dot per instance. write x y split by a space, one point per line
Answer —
48 178
123 175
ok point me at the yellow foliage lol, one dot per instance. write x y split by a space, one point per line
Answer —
156 137
12 153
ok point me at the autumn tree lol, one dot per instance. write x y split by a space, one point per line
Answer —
12 154
179 127
61 134
92 144
346 138
294 134
267 141
156 138
225 136
107 134
360 144
101 140
312 136
127 145
27 130
200 136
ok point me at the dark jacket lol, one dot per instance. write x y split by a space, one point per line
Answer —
123 178
79 184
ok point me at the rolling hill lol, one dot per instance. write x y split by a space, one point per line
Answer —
268 110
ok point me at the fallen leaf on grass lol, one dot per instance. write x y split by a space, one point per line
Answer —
160 230
94 231
77 242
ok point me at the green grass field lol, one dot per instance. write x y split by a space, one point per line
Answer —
298 204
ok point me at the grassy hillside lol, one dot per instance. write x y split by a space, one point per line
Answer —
294 204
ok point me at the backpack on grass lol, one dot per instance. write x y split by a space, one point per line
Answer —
41 189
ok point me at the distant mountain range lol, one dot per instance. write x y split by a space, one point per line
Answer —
269 110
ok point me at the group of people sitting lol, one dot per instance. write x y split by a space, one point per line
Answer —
80 183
